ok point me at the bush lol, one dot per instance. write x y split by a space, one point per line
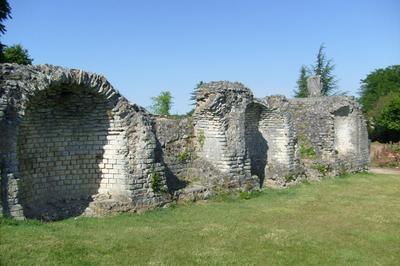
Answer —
385 155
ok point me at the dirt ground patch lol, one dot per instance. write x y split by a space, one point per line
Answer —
387 171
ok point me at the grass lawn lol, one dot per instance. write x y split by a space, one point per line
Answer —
349 220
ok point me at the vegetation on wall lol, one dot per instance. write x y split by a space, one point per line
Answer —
380 99
155 179
184 156
201 138
307 152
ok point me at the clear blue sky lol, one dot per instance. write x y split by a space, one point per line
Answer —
144 47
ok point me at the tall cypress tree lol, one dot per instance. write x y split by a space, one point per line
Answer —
324 68
302 91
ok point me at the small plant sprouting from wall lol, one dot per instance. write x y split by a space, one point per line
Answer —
307 152
323 169
184 156
201 138
155 179
289 178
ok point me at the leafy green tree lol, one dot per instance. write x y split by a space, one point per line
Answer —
301 90
377 84
390 116
162 103
16 54
5 13
324 67
380 93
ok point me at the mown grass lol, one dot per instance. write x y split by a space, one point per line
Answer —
349 220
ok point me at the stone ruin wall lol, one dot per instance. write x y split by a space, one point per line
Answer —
72 145
219 120
272 141
334 127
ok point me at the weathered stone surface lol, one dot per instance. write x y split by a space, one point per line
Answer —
175 149
335 129
71 145
219 120
276 141
314 86
69 136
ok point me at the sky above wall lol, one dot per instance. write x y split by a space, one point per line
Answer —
145 47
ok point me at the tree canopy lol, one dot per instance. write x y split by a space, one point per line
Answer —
323 67
162 103
302 90
5 13
16 54
380 99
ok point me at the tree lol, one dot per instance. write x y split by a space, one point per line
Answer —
379 83
302 90
162 103
5 13
380 94
324 68
390 117
16 54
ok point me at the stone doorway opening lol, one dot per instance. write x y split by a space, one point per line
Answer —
256 140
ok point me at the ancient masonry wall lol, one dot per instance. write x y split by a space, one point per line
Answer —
78 146
250 140
175 149
272 141
71 145
219 120
335 128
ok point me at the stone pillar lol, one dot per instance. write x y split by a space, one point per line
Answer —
314 86
219 120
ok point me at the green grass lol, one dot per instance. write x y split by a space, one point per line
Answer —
350 220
